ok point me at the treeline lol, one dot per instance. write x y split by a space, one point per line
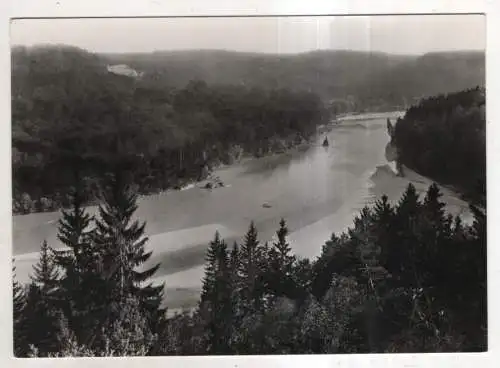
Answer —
67 111
444 138
404 278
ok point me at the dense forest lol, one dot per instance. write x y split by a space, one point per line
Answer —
444 138
70 112
189 111
403 278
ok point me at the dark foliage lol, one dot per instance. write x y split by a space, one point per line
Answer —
69 111
101 303
444 138
403 278
120 243
171 127
216 304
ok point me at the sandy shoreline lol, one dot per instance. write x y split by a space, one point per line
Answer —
180 242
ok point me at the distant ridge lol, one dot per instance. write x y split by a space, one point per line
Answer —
366 79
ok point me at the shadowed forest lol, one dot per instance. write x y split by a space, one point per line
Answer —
403 278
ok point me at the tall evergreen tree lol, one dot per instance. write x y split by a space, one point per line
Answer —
19 303
434 234
406 225
216 297
45 274
19 297
234 265
81 288
281 251
383 219
75 233
251 272
281 261
121 242
40 315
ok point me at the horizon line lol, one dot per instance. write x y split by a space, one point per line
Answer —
180 50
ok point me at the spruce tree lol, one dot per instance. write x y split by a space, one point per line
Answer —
81 289
251 272
282 251
121 242
40 318
234 265
216 297
281 263
19 297
409 204
432 204
45 274
383 226
211 268
406 227
434 234
75 233
19 303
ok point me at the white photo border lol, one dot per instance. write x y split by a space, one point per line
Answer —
159 8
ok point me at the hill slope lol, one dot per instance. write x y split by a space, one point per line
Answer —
371 80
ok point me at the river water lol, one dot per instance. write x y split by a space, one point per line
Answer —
318 190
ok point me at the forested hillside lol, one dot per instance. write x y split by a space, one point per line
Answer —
373 80
444 138
68 111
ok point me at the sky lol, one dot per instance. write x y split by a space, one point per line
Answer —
403 34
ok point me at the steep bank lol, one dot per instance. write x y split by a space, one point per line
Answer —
444 138
317 190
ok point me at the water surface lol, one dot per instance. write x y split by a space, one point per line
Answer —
317 190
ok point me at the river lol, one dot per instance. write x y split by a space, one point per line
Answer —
318 190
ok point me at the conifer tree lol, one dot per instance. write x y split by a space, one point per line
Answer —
45 274
434 234
282 252
75 233
406 225
234 264
383 221
81 289
432 204
364 238
409 203
281 263
235 284
216 297
250 270
19 303
121 242
40 315
19 297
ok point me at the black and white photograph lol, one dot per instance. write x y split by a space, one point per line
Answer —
193 186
